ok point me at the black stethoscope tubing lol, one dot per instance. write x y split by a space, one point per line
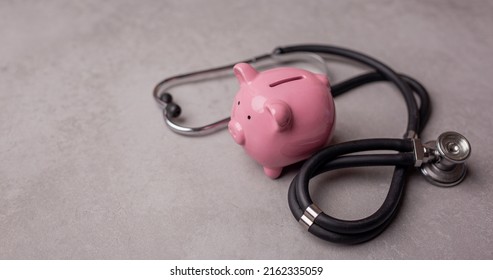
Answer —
336 156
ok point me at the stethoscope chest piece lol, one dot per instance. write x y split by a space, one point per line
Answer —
448 154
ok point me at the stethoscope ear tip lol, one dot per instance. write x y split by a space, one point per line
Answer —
166 97
172 110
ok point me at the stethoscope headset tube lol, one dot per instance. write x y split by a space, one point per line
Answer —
171 110
441 161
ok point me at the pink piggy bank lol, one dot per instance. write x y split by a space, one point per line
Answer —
281 116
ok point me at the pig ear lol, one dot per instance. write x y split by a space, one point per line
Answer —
244 72
281 113
323 79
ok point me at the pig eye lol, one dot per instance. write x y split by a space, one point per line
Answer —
238 103
249 117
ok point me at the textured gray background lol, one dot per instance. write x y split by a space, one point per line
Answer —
88 170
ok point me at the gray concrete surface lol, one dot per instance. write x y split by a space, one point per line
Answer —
88 171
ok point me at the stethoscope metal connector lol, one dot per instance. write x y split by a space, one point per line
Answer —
442 161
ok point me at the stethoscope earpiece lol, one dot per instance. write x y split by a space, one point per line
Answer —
171 109
445 165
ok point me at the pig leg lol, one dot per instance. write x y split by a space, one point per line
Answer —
273 173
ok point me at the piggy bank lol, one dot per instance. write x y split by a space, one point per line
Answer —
281 116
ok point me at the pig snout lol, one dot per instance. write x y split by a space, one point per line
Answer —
236 131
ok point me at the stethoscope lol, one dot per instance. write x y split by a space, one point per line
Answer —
442 161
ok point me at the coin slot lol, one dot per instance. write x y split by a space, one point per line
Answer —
283 81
